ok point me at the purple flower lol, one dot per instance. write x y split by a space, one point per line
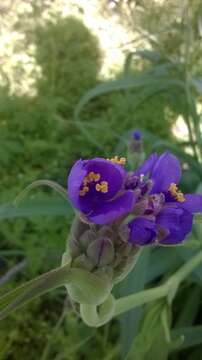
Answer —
104 192
178 223
142 231
172 210
96 189
137 135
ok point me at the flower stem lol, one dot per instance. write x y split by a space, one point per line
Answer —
168 289
94 313
33 289
96 316
129 302
186 269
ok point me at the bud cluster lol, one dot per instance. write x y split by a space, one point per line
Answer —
101 249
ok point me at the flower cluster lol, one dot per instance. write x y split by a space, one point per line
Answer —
146 201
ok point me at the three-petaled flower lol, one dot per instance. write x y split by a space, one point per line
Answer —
168 214
159 212
96 189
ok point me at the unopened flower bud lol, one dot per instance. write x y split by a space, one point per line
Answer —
102 250
135 149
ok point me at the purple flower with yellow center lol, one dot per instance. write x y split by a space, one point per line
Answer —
168 213
96 189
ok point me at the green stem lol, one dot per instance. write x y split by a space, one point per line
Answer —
96 316
129 302
34 288
83 287
168 289
94 311
186 269
191 112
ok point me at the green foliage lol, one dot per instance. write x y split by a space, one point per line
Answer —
172 27
70 59
37 142
123 110
45 331
45 144
134 282
151 342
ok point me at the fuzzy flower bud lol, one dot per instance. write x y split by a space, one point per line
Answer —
101 249
102 256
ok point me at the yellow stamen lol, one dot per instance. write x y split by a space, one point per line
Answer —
176 193
87 180
91 177
103 187
116 160
97 177
84 191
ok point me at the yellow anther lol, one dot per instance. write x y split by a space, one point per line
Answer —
116 160
87 180
176 193
122 161
102 187
96 177
91 177
84 191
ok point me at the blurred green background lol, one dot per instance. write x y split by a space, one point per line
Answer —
67 92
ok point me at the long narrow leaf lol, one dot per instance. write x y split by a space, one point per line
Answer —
134 283
52 184
52 207
127 82
83 286
192 336
34 288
